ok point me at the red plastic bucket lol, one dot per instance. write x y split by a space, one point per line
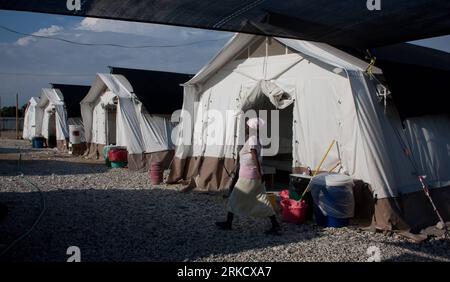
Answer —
293 211
156 173
118 155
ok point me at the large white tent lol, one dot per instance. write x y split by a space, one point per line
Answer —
328 95
114 115
54 118
32 121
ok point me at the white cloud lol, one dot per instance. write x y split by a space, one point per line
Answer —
50 31
104 25
145 29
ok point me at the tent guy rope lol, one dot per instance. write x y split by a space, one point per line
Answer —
23 178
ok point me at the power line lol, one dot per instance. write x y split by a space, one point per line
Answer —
109 44
45 74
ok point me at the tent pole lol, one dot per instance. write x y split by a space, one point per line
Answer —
427 193
1 120
107 126
17 116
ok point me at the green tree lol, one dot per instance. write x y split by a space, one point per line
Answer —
11 111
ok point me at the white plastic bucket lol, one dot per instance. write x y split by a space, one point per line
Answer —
333 194
333 180
339 180
75 134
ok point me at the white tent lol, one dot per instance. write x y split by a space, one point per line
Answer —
54 118
33 120
330 96
73 94
113 115
56 113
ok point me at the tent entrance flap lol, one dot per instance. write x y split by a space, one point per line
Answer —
111 118
278 97
52 130
275 106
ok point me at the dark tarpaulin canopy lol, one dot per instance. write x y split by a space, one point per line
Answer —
73 94
417 76
340 22
160 92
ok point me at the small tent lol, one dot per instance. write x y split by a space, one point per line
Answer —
32 120
132 108
321 94
73 94
60 108
54 118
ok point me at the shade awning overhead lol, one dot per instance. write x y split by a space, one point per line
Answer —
418 78
410 54
341 23
73 94
160 92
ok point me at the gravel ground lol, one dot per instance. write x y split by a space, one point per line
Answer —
116 215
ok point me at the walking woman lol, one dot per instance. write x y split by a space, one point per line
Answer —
248 197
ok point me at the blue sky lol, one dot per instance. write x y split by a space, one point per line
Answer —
48 61
28 64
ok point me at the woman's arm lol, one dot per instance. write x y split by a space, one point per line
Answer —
256 159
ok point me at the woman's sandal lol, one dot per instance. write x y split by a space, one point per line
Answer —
275 231
223 225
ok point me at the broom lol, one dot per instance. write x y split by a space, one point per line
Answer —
316 171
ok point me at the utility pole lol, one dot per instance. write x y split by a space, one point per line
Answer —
17 116
1 120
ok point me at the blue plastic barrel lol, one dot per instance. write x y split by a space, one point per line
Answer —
334 202
329 221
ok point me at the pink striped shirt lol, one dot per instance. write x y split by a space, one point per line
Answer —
248 167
